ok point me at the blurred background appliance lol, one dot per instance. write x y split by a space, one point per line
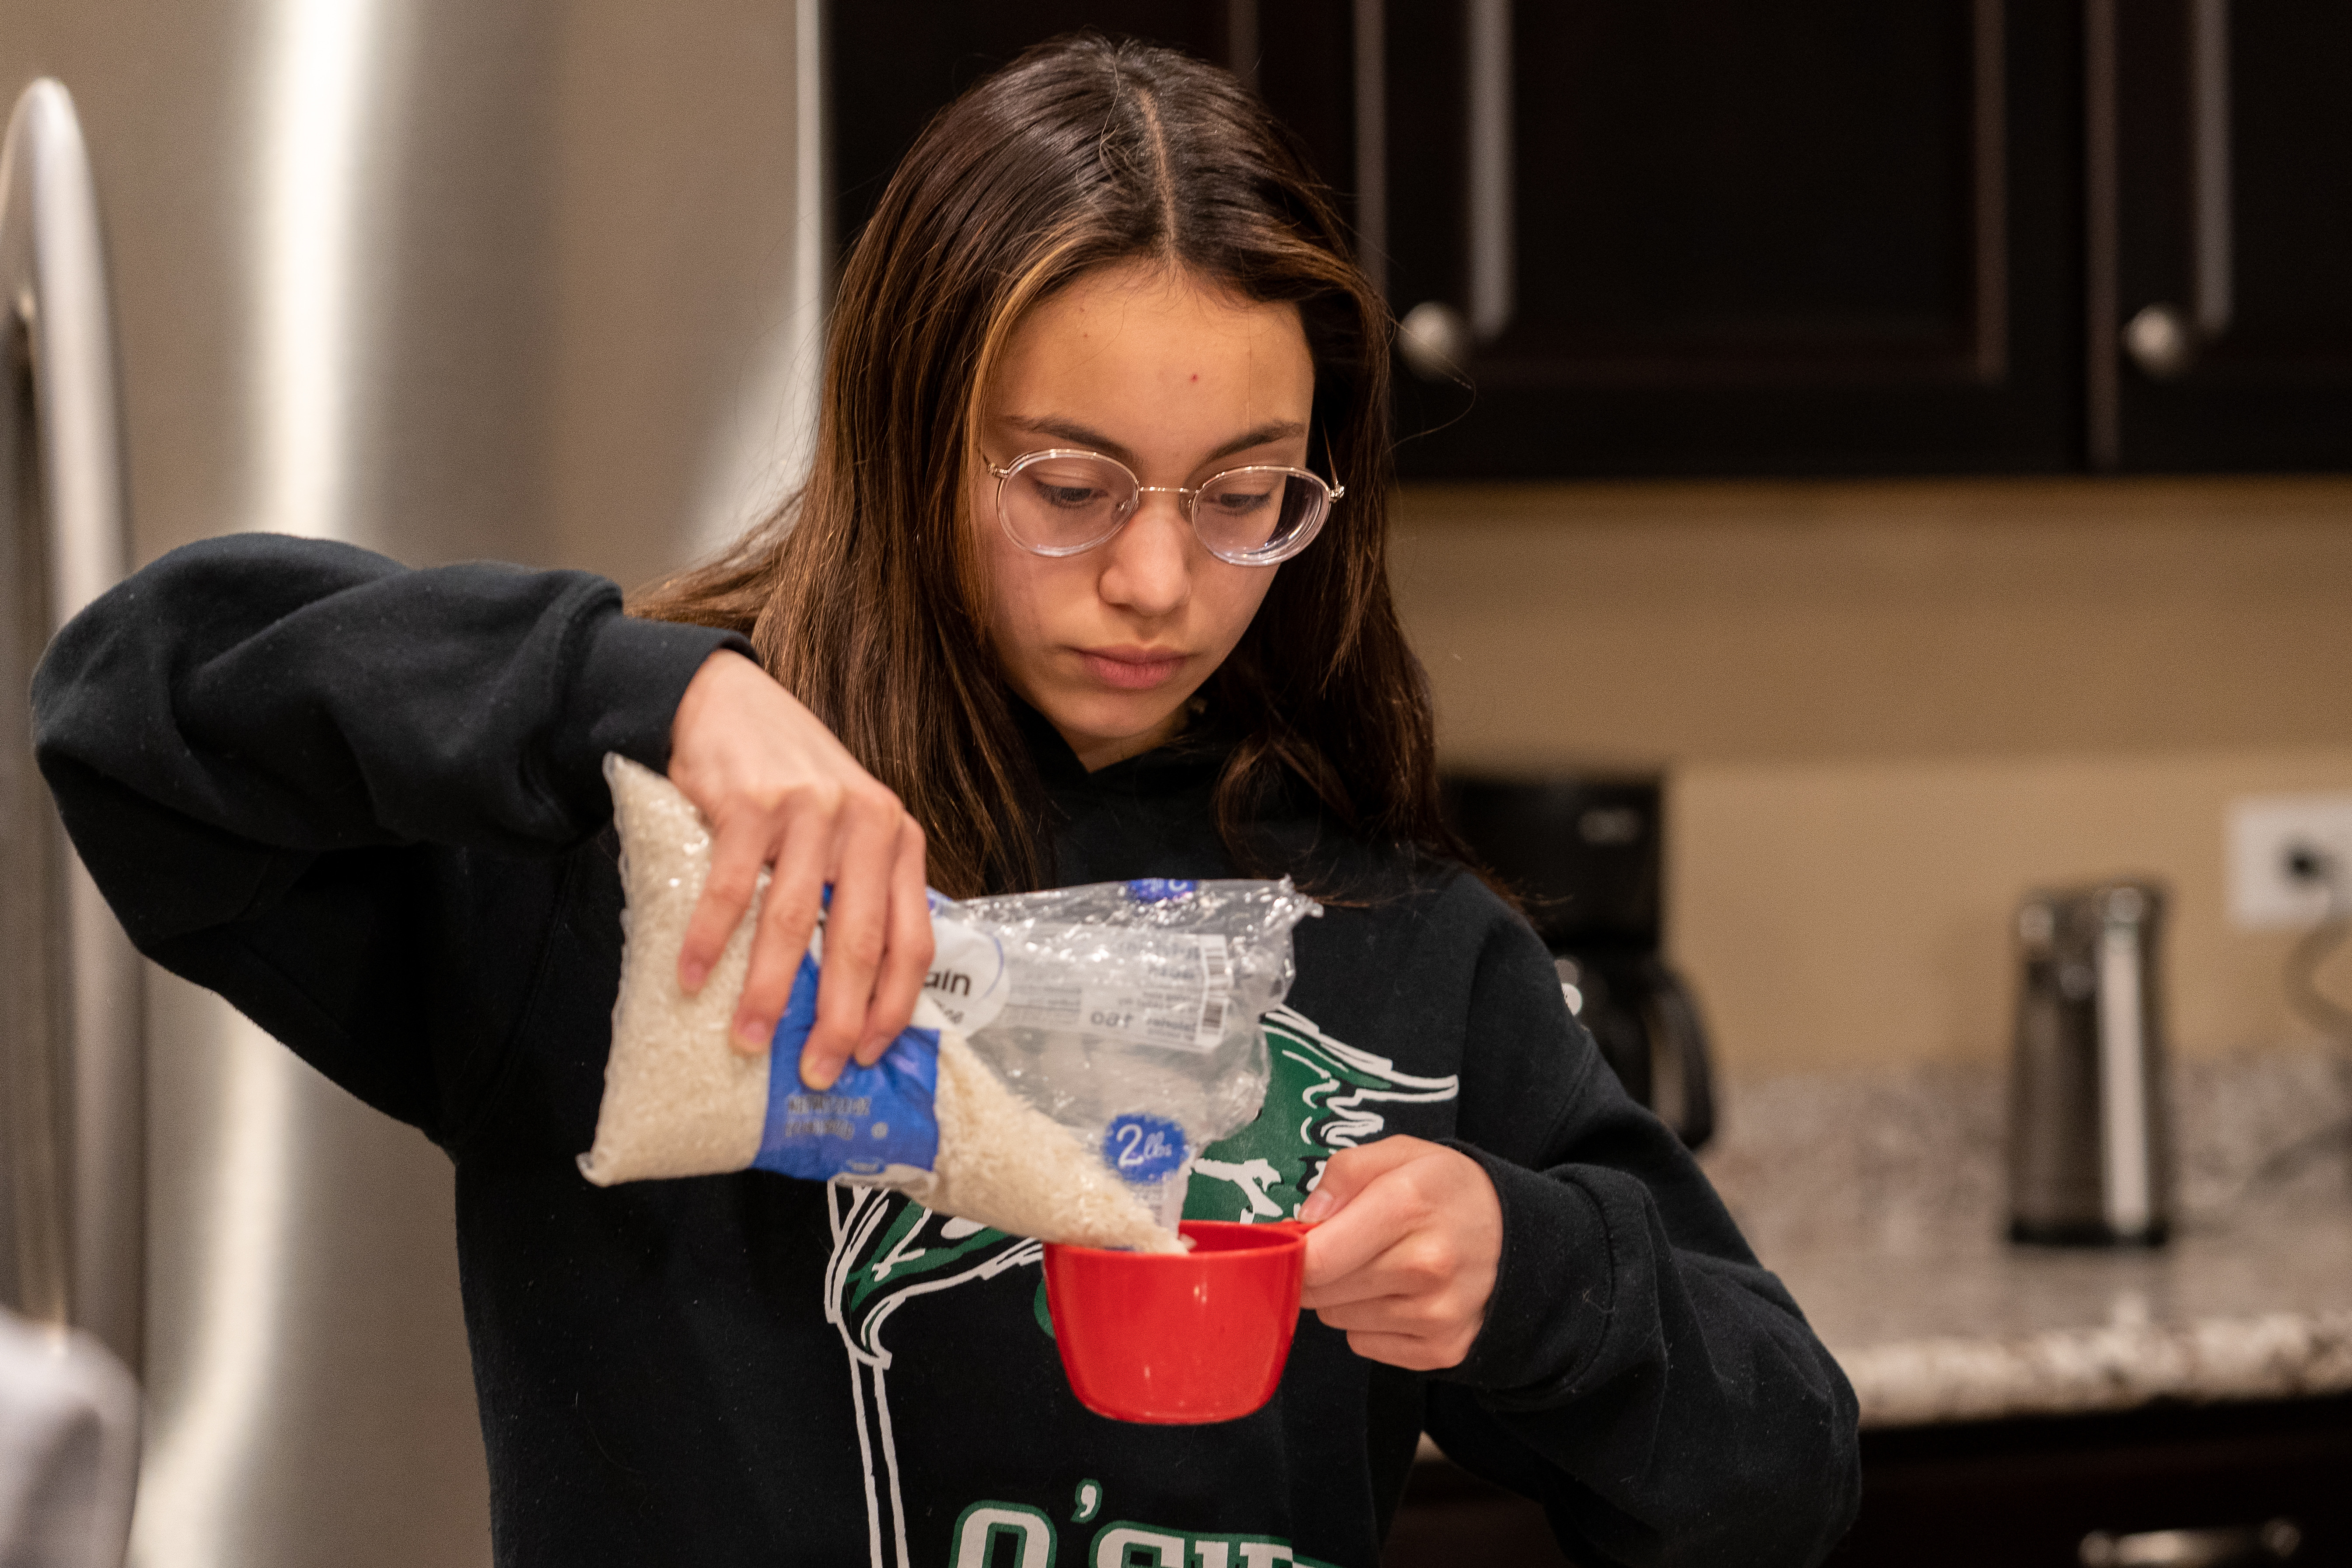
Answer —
1587 856
2090 1151
68 1448
538 282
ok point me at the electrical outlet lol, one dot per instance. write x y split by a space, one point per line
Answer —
2281 850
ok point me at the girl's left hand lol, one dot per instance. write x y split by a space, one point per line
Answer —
1404 1258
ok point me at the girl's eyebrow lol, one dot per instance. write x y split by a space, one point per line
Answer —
1078 435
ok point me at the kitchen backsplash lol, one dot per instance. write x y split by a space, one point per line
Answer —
1886 709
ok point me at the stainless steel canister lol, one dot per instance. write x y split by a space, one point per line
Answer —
2090 1147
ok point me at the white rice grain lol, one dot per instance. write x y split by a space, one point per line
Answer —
1005 1164
680 1100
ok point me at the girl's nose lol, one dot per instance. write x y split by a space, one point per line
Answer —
1148 567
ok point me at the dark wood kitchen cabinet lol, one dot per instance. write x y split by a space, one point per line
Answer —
892 63
2244 1485
1829 237
1736 237
1785 236
2225 341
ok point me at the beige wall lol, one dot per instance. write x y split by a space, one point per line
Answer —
1888 710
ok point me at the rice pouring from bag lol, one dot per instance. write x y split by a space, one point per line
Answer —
1071 1053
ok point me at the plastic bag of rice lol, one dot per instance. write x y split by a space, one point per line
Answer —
1072 1053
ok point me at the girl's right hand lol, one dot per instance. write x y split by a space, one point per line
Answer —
779 790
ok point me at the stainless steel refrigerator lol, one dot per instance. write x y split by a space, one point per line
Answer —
540 280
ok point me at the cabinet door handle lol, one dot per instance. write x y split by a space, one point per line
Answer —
1370 20
1493 286
2210 148
1436 338
2228 1547
2163 339
1435 341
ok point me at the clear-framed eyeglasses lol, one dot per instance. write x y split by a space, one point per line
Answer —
1062 501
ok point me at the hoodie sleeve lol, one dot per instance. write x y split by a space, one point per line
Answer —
286 761
1639 1373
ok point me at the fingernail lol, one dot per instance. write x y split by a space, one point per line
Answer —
817 1079
1316 1205
690 976
754 1034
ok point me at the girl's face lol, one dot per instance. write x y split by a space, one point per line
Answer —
1179 381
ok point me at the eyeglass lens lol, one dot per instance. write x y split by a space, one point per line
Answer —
1068 503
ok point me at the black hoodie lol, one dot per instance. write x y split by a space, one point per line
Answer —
363 804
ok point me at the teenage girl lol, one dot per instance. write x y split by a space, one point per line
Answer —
1089 582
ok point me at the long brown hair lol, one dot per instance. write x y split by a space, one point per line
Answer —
865 594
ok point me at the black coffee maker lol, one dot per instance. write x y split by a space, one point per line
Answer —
1585 855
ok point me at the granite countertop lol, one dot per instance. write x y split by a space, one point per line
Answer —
1879 1200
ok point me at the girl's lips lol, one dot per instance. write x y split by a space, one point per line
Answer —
1131 669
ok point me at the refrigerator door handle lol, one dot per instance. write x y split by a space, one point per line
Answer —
74 1042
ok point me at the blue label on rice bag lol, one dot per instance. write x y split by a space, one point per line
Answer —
1158 889
1143 1148
870 1118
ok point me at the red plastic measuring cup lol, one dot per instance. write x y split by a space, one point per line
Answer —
1178 1340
